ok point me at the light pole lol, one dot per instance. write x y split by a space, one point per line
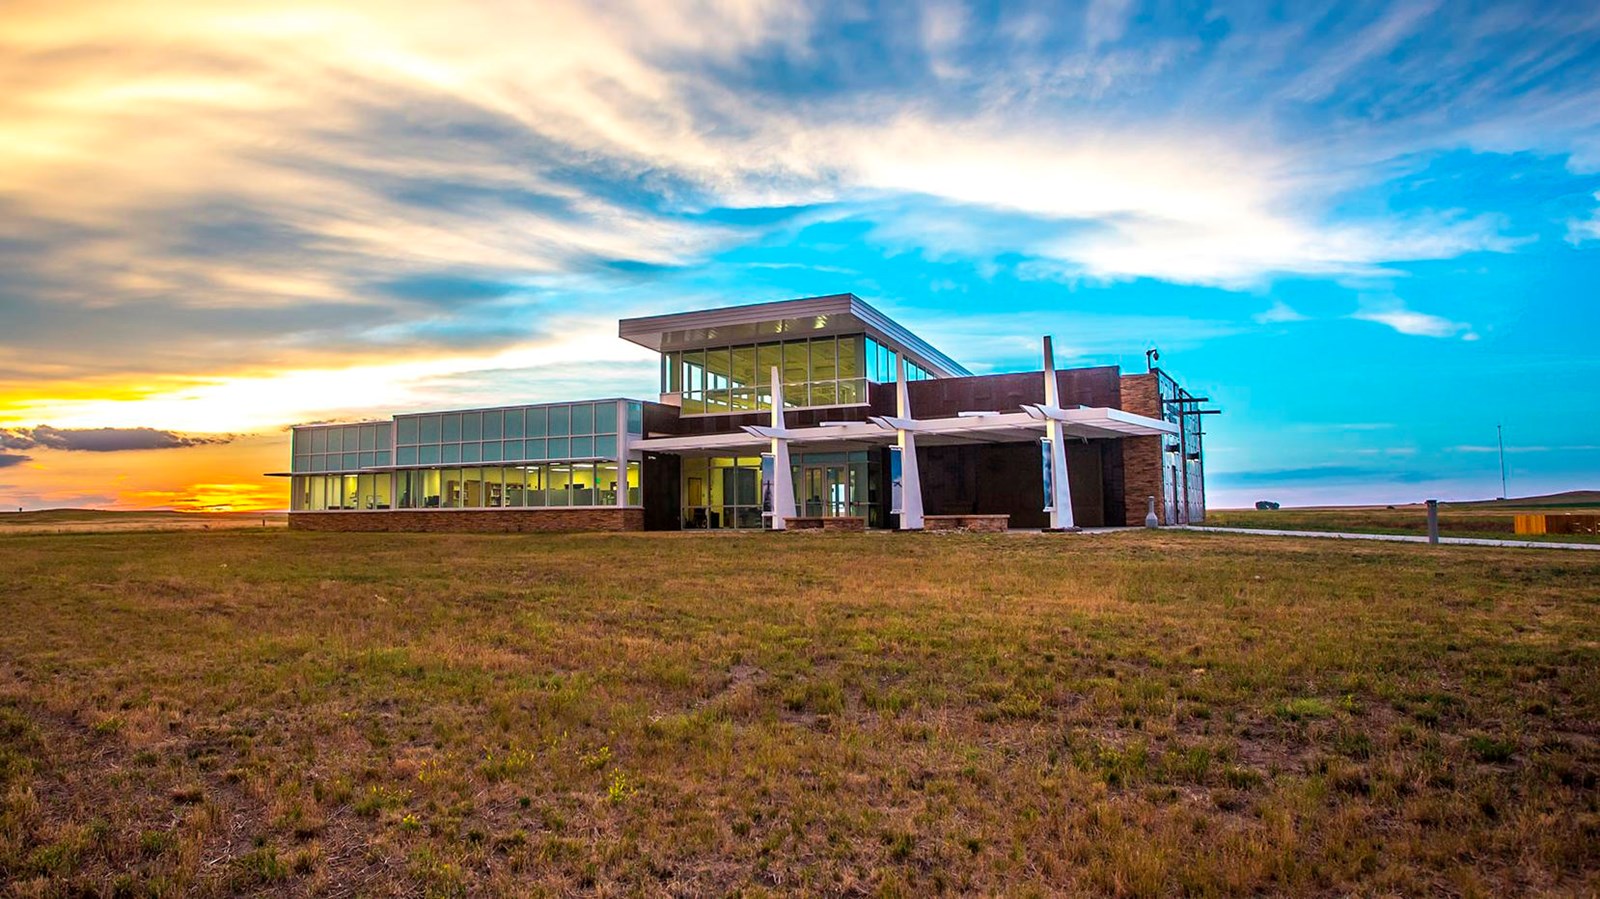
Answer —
1500 437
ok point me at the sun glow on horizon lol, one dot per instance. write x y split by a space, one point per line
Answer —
255 403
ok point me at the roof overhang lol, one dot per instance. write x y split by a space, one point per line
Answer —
988 427
843 313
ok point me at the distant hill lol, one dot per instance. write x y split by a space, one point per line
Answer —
56 516
90 520
1570 499
1566 499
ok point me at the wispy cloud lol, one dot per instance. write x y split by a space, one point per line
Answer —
1279 313
1393 313
220 217
1580 230
101 440
271 172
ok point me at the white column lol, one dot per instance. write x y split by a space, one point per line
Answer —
782 473
622 456
910 478
1061 501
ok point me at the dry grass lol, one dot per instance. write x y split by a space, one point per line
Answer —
1132 714
85 521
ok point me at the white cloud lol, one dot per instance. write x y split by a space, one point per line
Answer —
126 122
616 85
1279 313
1394 314
1580 230
1105 21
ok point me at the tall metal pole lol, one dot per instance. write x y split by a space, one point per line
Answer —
1499 435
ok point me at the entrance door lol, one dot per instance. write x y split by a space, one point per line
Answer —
825 490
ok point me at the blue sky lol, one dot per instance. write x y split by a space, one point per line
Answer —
1370 232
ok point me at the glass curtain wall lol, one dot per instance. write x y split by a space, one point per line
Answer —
720 492
474 487
524 433
880 365
818 371
321 448
1182 470
520 457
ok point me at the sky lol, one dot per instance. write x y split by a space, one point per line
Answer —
1369 232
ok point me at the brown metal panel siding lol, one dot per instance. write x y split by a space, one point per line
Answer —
1004 478
662 492
1112 476
880 402
944 397
660 418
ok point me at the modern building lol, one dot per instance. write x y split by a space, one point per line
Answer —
872 426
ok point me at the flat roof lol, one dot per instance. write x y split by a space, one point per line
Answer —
840 313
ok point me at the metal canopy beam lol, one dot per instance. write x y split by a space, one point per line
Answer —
999 427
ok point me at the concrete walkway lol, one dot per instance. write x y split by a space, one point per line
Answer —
1393 538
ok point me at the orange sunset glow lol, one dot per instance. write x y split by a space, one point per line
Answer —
222 219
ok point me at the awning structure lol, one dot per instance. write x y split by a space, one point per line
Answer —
1027 424
1047 420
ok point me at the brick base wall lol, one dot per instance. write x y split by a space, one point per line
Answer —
990 524
472 520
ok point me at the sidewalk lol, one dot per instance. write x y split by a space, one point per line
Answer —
1393 538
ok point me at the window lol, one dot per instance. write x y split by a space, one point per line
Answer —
560 489
579 440
582 418
820 371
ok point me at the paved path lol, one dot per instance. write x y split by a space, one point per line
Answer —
1394 538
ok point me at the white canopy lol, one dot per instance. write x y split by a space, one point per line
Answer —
969 427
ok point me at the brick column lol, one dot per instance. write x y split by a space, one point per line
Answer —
1141 456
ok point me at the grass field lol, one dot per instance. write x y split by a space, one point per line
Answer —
1494 521
77 521
276 712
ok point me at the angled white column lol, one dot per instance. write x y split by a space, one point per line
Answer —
1060 499
782 474
910 479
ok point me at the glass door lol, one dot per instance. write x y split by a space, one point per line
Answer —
825 491
838 491
812 490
